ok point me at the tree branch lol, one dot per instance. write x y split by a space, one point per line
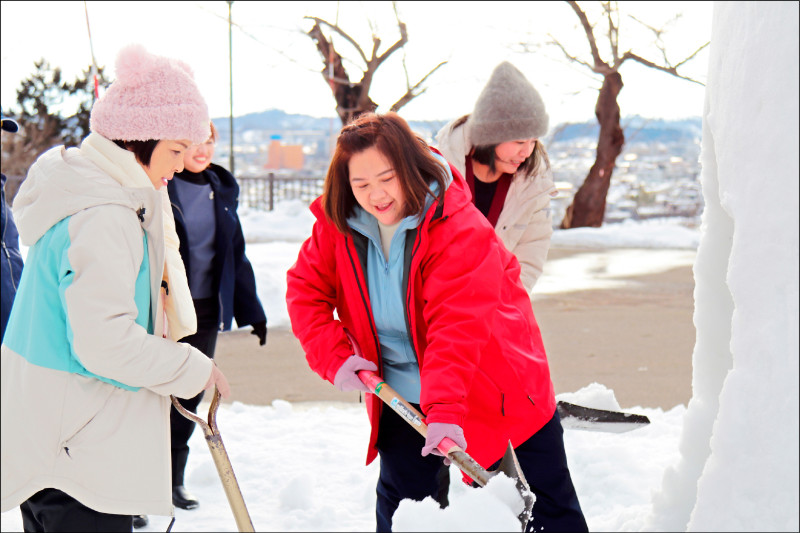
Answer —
589 34
400 42
613 33
576 59
667 69
341 32
692 55
410 95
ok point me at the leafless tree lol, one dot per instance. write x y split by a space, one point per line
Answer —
352 97
589 204
42 124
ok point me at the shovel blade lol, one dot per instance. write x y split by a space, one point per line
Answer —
509 465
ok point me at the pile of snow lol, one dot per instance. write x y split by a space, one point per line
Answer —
301 467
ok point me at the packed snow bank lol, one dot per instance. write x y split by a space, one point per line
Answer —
739 449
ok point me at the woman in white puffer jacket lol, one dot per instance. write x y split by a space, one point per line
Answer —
89 356
498 150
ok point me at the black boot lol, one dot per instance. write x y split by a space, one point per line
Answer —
140 520
183 498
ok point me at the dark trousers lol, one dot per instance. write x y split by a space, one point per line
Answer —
544 462
405 473
181 428
54 510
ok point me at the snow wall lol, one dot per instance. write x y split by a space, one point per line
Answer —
739 447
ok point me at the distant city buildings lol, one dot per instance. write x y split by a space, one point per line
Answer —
656 175
283 156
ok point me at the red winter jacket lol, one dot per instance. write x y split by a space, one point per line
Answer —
480 352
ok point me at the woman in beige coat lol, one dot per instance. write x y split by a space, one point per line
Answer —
497 148
89 356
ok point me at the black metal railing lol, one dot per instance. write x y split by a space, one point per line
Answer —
255 192
263 192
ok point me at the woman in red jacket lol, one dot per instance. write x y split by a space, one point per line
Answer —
419 278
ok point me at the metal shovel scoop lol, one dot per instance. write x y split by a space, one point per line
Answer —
509 465
221 460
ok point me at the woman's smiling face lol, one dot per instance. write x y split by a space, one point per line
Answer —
376 186
199 156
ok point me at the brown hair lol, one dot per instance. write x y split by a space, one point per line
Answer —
415 166
214 133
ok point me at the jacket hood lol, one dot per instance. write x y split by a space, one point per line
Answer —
454 144
62 182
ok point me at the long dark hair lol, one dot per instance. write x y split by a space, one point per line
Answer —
415 166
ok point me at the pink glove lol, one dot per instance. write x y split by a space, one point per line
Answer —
346 378
437 432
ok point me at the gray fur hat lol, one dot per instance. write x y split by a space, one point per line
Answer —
507 109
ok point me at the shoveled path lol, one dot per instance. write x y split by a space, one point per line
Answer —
636 340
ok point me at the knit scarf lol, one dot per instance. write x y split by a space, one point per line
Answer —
122 165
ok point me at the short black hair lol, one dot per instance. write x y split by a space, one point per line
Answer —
143 150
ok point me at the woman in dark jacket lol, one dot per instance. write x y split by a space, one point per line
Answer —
11 263
204 201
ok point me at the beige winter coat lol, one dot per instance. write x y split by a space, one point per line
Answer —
525 223
106 446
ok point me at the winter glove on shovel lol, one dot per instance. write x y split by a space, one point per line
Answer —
346 378
437 432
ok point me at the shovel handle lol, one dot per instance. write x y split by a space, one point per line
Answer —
221 460
210 427
405 409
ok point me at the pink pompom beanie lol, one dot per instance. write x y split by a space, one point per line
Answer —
153 97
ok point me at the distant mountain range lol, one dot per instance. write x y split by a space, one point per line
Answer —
637 128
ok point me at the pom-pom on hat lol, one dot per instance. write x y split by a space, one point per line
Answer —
153 97
508 108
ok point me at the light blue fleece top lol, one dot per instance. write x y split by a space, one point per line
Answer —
387 294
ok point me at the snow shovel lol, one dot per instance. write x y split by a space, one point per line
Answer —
221 460
592 419
509 465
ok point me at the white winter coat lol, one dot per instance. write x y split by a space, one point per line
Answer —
106 445
525 223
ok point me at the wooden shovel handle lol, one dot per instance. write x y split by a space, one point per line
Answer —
404 409
398 403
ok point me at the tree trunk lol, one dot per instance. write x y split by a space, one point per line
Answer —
350 98
589 204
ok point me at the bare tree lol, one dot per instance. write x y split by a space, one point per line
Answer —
42 124
352 98
589 204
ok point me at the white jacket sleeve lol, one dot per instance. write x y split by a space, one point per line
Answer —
104 257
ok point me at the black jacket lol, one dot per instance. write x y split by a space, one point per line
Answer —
11 262
233 276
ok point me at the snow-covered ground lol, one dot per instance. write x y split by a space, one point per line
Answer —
301 466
